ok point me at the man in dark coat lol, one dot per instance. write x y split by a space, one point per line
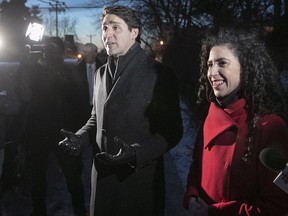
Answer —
136 117
89 53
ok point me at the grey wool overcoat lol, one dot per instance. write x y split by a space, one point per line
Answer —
142 109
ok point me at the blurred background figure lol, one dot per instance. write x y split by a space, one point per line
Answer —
9 107
3 107
53 100
88 66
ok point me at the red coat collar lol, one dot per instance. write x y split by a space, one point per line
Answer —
219 120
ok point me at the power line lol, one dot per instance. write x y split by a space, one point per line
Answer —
86 6
91 36
58 7
43 1
72 7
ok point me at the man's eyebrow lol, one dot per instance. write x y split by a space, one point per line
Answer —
111 22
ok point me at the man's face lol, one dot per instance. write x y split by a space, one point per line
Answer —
116 36
223 71
89 55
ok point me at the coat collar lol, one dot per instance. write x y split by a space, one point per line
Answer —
124 60
122 69
219 120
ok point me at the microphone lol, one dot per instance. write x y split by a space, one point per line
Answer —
275 161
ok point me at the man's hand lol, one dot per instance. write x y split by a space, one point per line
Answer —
125 155
72 144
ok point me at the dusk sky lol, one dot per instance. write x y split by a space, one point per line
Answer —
86 30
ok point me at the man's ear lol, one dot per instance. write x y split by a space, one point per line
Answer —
134 33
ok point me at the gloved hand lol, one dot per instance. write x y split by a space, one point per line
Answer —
125 155
72 144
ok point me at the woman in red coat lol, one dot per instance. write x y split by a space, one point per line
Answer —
246 114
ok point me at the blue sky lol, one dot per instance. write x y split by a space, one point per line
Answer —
87 31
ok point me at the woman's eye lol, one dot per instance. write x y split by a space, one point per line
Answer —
209 64
222 63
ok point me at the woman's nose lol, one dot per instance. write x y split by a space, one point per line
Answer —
213 70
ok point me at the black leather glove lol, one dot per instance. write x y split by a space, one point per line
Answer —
125 155
72 144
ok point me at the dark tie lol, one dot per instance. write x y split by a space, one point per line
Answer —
112 71
112 68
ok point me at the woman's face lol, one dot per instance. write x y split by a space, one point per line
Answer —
223 70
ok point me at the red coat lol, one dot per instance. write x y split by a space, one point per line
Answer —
220 176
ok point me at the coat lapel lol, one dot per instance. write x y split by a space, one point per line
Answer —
216 122
220 120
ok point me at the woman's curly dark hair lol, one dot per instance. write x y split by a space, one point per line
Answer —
259 78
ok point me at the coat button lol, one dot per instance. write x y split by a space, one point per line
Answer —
104 131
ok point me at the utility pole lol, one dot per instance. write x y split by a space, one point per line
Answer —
57 6
90 36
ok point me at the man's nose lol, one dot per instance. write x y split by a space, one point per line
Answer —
108 33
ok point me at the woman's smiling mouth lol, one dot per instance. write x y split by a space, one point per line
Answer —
217 83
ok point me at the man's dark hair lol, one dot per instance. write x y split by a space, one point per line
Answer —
130 16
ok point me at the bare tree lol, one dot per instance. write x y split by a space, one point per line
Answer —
50 25
165 19
66 26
